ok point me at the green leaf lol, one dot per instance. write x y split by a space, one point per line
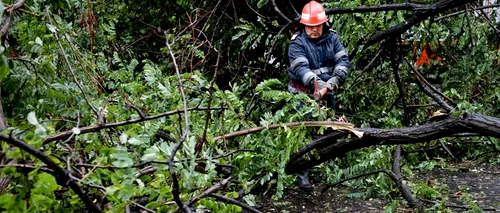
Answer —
110 190
9 170
123 138
136 141
122 160
51 27
38 41
45 185
32 118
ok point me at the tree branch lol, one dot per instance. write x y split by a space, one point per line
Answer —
61 174
396 30
209 191
379 8
330 147
8 18
430 92
235 202
95 128
28 167
465 11
395 70
403 188
275 7
99 115
175 182
338 125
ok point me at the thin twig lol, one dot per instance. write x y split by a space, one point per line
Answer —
464 11
489 22
275 7
143 207
175 182
391 174
145 171
447 150
395 70
273 44
95 128
396 30
134 42
420 150
246 1
379 8
28 167
367 67
235 202
209 191
99 116
210 96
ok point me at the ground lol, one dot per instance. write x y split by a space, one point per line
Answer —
480 181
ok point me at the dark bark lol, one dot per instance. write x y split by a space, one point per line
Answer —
378 8
418 17
398 178
330 147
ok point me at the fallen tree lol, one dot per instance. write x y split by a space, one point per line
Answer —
334 144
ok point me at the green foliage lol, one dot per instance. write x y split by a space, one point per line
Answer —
128 71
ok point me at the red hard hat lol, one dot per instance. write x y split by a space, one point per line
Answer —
313 14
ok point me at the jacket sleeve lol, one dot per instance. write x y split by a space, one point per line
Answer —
299 70
342 63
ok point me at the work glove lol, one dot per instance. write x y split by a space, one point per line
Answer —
322 84
333 83
311 86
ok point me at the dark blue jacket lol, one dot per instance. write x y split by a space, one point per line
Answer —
325 57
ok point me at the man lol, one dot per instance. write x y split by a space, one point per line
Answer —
316 58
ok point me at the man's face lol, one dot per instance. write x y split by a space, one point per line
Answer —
314 32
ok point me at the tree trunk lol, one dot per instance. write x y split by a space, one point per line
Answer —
331 146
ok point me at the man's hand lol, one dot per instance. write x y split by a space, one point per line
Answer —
322 84
333 83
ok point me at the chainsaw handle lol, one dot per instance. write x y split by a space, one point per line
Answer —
318 93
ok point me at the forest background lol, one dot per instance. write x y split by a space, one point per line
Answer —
158 106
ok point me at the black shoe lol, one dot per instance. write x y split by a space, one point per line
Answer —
303 180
